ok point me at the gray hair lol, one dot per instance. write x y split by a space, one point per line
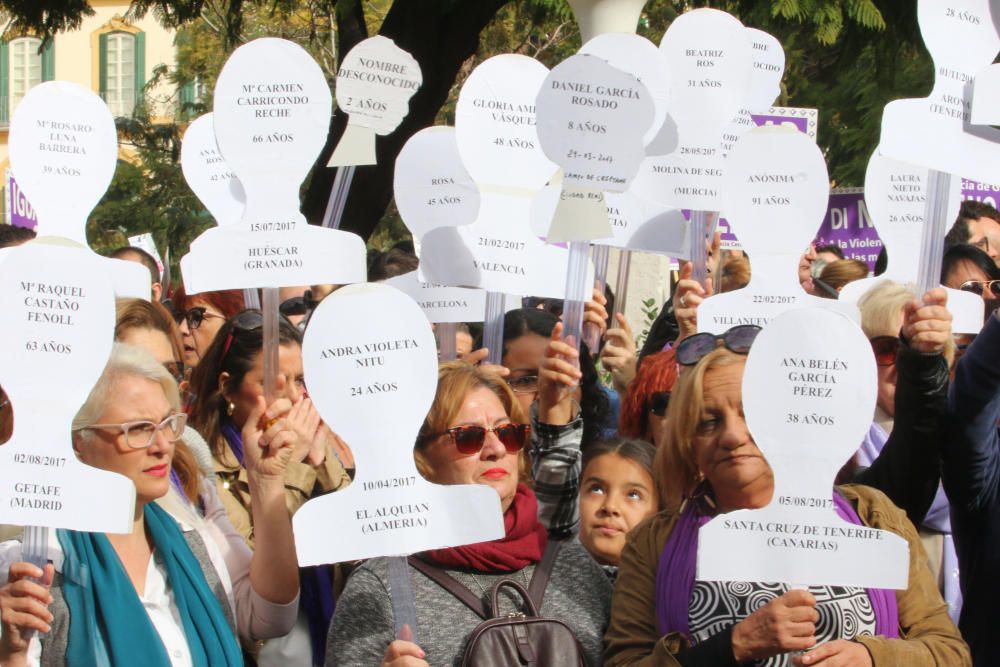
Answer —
125 361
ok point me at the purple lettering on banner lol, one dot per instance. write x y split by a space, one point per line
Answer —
988 194
20 213
848 225
801 124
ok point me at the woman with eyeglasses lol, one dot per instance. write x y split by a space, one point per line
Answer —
148 325
474 433
644 409
200 316
710 465
227 385
174 591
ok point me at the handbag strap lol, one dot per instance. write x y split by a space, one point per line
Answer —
536 587
540 578
451 584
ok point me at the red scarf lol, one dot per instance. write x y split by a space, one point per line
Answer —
523 544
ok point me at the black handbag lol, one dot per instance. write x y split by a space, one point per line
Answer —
526 639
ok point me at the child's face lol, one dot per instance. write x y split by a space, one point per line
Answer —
616 494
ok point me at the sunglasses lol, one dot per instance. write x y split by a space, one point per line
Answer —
469 440
658 403
990 287
195 316
245 322
885 349
693 349
298 305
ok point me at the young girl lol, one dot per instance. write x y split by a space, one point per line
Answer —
617 492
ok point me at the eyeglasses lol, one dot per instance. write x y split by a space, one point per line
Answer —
298 305
469 440
980 286
176 369
195 316
885 349
140 434
693 349
658 402
526 384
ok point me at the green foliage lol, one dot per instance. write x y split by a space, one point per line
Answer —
650 311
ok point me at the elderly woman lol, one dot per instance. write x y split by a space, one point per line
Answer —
710 465
200 316
228 383
474 434
163 594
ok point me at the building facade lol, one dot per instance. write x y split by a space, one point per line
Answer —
108 54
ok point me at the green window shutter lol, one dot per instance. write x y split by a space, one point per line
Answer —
102 64
4 81
140 64
49 61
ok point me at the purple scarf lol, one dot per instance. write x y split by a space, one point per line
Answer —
676 570
234 437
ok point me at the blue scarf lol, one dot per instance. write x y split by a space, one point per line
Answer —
315 583
109 625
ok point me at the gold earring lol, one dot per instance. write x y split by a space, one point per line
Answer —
230 409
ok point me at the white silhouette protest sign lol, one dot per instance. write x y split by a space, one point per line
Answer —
63 152
59 321
936 132
776 192
374 87
385 364
499 146
592 121
271 116
808 396
208 175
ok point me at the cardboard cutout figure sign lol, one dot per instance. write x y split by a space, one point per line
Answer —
808 396
374 87
776 191
209 176
499 146
272 113
373 383
59 321
63 152
936 132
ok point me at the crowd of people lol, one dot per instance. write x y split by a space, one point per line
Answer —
606 462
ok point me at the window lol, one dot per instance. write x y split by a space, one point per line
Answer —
25 68
21 68
120 73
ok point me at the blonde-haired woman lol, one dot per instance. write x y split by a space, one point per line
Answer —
475 433
169 592
710 465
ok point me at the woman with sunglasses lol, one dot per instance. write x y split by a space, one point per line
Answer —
475 433
227 384
710 465
174 590
200 316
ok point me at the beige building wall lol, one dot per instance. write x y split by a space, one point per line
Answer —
77 56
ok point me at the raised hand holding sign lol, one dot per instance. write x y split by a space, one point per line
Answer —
808 395
373 383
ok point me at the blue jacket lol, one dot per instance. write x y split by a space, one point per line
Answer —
970 470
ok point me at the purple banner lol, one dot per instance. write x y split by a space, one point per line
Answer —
988 194
848 225
20 213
